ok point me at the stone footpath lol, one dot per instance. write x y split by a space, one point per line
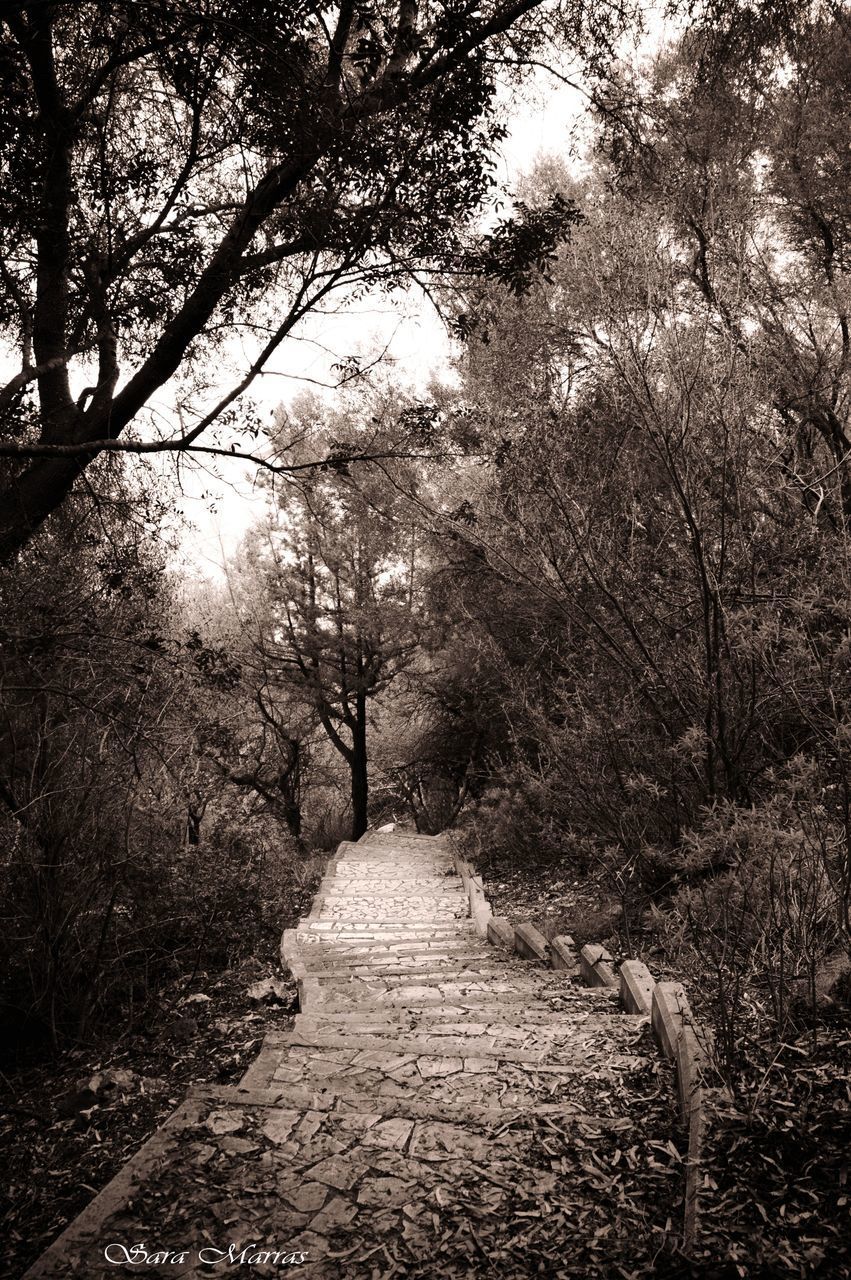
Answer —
440 1108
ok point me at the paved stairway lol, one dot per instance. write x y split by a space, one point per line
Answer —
440 1108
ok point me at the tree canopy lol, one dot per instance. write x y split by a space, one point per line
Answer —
183 175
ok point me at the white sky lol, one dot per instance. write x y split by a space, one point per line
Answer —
220 501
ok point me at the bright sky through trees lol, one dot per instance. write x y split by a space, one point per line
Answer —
219 499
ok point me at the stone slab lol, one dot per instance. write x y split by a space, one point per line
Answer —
670 1007
636 987
595 966
500 932
563 953
530 943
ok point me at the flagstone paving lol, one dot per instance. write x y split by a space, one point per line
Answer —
440 1108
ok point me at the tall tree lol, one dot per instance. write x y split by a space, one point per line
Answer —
172 163
746 165
343 612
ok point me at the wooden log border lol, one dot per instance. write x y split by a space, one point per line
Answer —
678 1036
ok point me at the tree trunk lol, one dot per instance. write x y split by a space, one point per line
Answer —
360 786
26 502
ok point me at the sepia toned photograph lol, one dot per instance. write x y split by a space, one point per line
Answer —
425 639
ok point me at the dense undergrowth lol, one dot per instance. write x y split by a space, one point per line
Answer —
70 1119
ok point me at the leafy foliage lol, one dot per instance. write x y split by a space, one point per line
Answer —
658 544
183 175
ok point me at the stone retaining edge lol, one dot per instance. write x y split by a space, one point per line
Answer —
530 943
678 1036
595 967
477 903
685 1042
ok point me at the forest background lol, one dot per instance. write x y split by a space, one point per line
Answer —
585 598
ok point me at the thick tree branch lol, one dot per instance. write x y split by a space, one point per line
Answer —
52 238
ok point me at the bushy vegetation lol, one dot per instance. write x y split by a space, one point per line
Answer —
128 855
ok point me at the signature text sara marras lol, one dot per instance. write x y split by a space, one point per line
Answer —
234 1255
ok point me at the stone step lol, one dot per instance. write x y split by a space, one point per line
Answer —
418 1070
514 1077
331 960
474 1012
385 952
427 881
371 940
462 934
373 911
369 921
501 982
336 893
414 1001
568 1049
322 1098
381 880
408 841
422 880
377 884
342 968
325 967
452 941
384 929
416 942
370 943
370 914
531 1014
395 862
509 971
398 857
432 968
626 1030
379 876
380 894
